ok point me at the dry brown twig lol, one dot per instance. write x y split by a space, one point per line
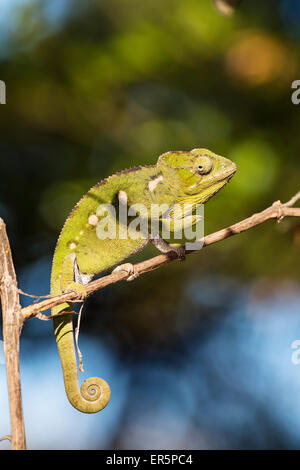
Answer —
12 325
277 211
14 316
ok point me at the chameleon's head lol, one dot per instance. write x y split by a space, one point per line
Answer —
202 173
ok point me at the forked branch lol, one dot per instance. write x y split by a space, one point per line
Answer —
14 316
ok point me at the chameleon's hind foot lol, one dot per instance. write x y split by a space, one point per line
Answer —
180 251
78 288
129 268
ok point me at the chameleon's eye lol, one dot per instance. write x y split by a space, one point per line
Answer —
203 165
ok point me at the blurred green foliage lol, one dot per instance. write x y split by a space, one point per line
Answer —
113 84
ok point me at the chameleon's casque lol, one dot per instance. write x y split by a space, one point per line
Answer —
178 178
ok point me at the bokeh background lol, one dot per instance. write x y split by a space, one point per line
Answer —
198 354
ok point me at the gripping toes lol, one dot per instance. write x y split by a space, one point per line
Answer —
129 268
180 251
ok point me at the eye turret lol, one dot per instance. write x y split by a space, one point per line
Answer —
203 165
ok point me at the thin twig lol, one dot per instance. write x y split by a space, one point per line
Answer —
293 200
277 211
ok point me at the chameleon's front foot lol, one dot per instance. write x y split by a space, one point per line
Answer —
129 268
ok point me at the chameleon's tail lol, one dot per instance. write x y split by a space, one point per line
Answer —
94 393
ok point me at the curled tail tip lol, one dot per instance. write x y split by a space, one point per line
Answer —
96 390
94 396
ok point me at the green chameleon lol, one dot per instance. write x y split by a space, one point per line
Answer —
177 179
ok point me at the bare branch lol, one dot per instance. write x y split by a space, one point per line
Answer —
12 324
14 316
277 211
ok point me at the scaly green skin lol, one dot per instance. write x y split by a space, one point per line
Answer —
177 178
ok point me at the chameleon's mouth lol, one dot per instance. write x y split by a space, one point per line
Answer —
224 174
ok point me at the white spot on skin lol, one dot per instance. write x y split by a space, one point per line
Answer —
123 198
153 183
72 246
93 219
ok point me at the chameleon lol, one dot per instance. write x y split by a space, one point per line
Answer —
178 178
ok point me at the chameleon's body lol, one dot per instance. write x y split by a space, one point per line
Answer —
177 178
